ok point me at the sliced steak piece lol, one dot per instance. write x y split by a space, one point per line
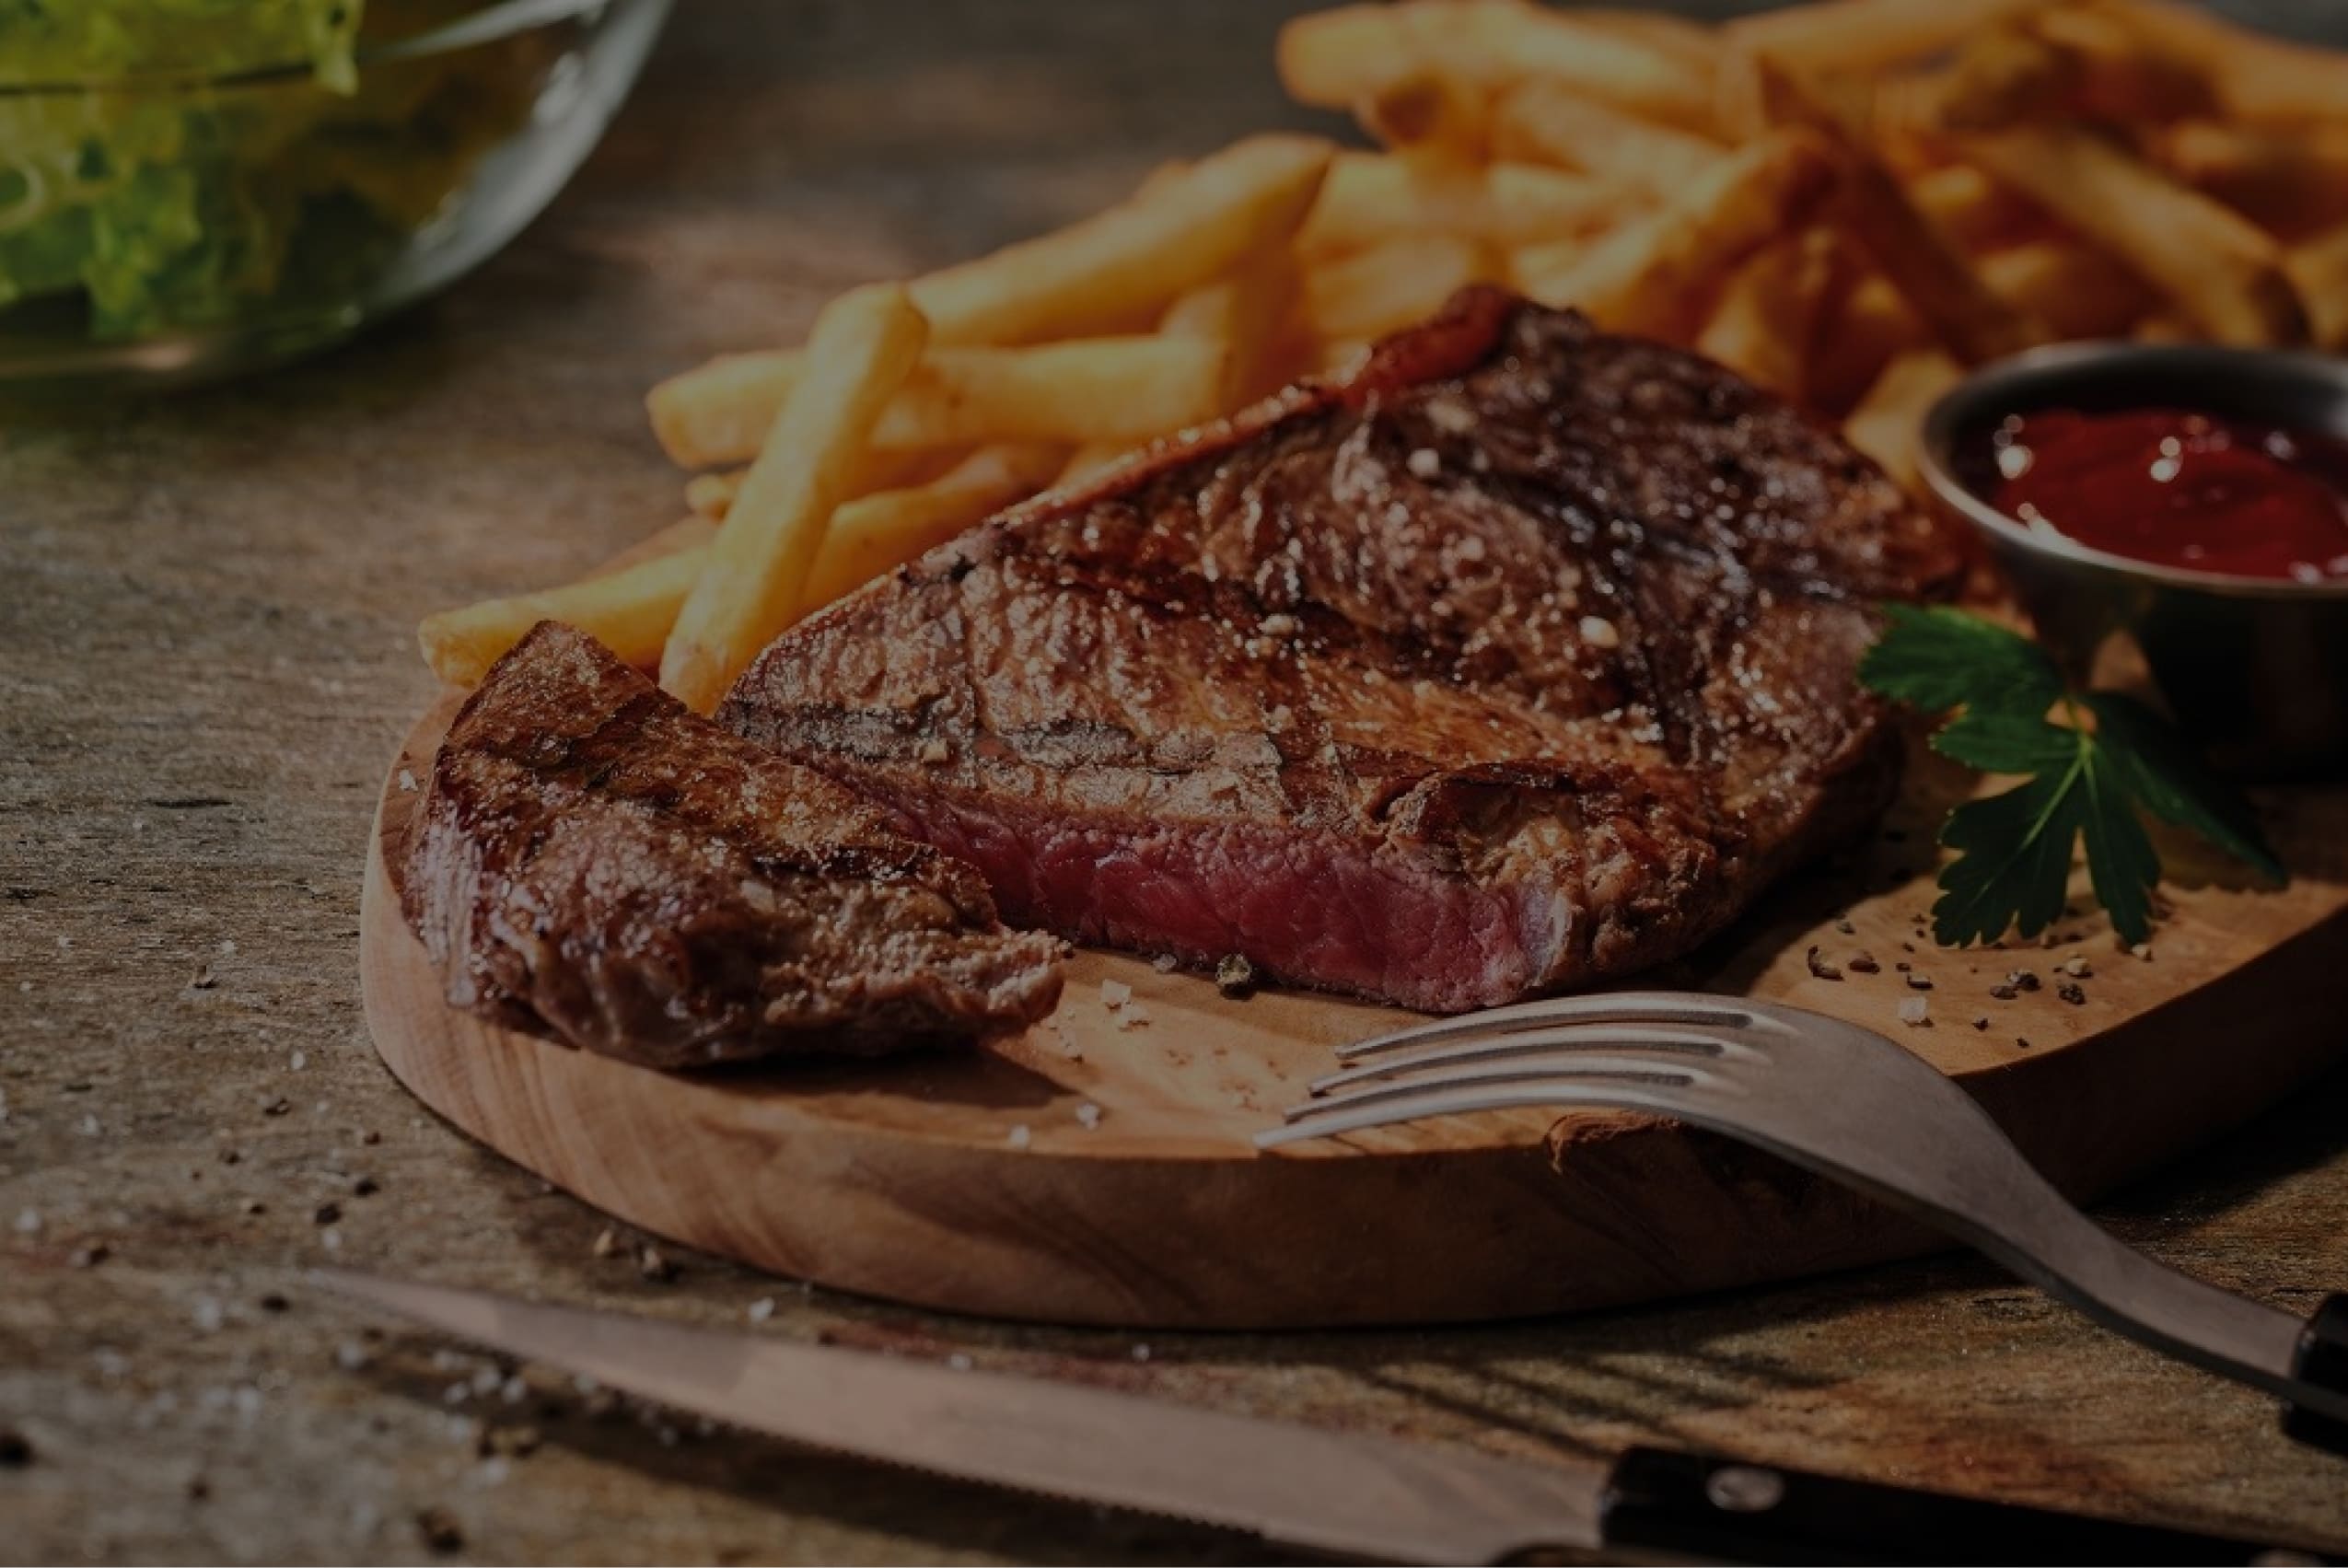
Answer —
591 858
1524 658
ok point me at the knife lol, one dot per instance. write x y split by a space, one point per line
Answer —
1342 1494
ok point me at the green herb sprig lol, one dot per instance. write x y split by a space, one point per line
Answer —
2093 763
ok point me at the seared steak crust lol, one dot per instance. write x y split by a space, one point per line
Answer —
591 858
1525 657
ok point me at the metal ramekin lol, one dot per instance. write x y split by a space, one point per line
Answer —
2255 671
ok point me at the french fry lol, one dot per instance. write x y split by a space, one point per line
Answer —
1922 262
2126 72
1863 35
1369 198
629 610
2006 76
2079 291
2215 267
1766 322
1184 228
1376 291
1694 45
2292 179
1873 327
1247 313
1888 425
878 533
2319 270
1654 275
863 346
1974 210
709 494
1543 122
1086 461
2256 77
1082 390
1338 58
1428 113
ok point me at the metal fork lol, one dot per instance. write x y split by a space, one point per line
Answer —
1854 1107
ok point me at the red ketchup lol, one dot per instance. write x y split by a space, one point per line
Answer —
2180 489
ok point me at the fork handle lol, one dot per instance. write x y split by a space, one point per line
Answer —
1673 1507
2322 1362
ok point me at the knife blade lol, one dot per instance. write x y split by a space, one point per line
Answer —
1351 1495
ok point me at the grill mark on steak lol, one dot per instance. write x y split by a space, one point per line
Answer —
592 860
1551 704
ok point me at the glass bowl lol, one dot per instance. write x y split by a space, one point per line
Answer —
160 228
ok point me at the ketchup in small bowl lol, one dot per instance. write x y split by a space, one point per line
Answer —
2174 488
2190 499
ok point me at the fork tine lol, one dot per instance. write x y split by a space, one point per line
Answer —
1329 1119
1657 1067
1561 1045
1613 1008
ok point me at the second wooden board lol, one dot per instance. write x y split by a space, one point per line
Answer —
1099 1168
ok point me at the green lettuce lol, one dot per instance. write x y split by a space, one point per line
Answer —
186 202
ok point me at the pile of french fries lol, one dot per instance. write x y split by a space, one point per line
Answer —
1847 202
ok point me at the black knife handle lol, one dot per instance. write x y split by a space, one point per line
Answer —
2322 1362
1688 1507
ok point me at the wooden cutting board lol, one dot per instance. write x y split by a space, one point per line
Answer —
983 1183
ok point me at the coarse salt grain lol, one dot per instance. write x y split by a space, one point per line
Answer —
1115 993
1020 1137
1134 1016
1915 1012
209 1315
407 781
1089 1115
1599 633
959 1362
1426 463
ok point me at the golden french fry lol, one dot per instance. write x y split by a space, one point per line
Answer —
1922 262
1694 45
1654 275
1873 327
1888 425
1082 390
2007 75
709 494
1086 461
630 610
1338 58
1187 226
2256 76
1863 35
1543 122
2217 268
878 533
1767 318
1430 113
2126 72
2290 178
863 346
2319 271
1376 291
1369 198
2079 291
1972 210
1247 313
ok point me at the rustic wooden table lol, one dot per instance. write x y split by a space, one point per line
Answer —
206 656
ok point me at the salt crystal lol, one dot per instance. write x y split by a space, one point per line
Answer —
89 1126
351 1356
761 1309
935 751
209 1315
1915 1011
298 1061
407 781
1599 633
1424 463
1141 1353
1020 1137
959 1362
1115 993
486 1380
1088 1116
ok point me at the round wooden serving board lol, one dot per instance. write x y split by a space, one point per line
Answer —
969 1182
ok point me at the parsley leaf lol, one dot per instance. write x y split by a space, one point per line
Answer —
2092 763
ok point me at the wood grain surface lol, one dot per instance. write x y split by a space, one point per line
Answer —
207 613
1097 1167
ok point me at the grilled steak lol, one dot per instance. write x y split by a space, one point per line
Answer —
593 859
1523 658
